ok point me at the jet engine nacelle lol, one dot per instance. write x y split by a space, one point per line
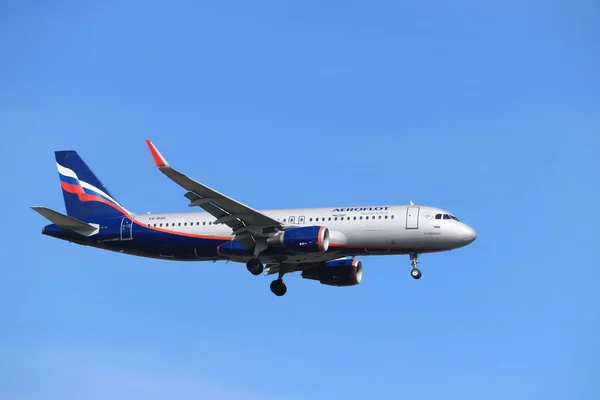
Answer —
307 239
347 272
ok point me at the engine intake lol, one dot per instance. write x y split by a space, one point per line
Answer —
347 272
308 239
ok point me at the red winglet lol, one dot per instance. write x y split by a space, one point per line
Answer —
159 160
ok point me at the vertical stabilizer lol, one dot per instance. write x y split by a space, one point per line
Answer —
86 197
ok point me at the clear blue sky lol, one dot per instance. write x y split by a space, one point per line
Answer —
488 109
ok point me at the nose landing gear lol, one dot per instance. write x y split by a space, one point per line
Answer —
414 260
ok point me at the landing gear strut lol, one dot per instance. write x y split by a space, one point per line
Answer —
254 266
414 260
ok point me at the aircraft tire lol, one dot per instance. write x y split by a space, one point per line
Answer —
278 287
254 266
415 273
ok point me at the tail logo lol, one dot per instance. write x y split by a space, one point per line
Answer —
70 182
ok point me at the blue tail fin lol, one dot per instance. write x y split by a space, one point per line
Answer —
86 197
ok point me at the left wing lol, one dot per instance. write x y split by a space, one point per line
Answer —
248 225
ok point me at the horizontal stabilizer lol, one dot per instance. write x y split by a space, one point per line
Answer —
66 222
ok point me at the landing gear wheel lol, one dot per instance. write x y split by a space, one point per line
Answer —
254 266
414 260
278 287
415 273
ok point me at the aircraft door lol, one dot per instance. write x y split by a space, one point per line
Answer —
412 218
126 229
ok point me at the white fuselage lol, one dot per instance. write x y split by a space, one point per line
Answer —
395 229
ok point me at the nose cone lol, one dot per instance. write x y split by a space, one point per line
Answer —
468 234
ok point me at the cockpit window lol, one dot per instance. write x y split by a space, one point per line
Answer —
446 216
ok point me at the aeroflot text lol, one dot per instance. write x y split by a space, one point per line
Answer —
359 209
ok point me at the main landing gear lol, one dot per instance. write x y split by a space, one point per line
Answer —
277 286
414 260
254 266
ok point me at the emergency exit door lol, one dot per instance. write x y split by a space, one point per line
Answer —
126 229
412 218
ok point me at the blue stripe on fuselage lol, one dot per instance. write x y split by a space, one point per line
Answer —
153 243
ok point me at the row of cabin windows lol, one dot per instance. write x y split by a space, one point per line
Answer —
323 219
179 224
284 220
348 218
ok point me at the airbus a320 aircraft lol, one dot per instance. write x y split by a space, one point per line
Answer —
321 243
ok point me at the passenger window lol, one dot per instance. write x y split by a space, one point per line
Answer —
386 217
161 225
355 218
392 216
380 217
185 224
292 220
310 220
360 217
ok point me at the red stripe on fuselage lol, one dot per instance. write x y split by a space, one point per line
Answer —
78 190
345 246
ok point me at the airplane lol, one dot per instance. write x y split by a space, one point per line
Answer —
320 243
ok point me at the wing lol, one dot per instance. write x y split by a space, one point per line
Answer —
247 224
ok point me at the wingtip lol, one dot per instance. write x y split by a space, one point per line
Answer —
159 160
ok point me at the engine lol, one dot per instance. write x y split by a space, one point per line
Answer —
347 272
309 239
